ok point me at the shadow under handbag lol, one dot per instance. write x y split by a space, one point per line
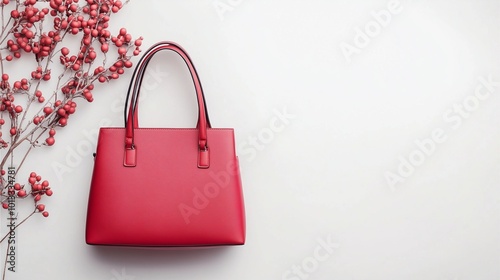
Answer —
165 187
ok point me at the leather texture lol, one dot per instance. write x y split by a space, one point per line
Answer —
165 187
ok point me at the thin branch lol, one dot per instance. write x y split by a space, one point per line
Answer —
29 149
12 229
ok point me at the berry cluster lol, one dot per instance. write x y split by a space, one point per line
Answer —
60 19
30 110
38 189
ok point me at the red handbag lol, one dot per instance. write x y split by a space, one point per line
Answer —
162 187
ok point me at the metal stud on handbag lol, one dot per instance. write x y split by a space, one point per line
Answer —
163 187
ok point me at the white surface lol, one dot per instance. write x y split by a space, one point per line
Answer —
323 174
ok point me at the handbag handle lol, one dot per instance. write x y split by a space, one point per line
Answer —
131 121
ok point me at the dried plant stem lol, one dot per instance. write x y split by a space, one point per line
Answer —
7 249
20 223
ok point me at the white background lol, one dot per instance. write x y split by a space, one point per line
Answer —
324 174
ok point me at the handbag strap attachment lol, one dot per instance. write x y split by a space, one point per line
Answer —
131 119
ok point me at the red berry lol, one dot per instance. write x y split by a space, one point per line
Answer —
38 197
49 192
29 34
50 141
98 70
40 207
47 110
61 112
122 51
45 214
63 121
33 174
5 77
52 132
18 109
17 186
13 131
5 205
21 193
87 95
104 48
92 55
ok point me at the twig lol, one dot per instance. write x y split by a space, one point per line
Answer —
12 229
